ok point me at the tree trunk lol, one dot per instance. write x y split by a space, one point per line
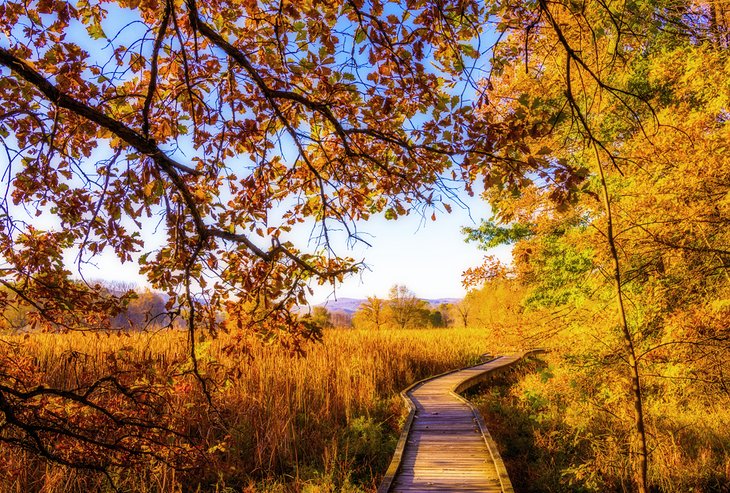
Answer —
642 466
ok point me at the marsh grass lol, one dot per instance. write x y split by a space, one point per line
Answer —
327 421
555 436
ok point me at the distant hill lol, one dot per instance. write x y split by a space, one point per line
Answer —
350 305
441 301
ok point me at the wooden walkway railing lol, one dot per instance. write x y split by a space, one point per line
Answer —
445 445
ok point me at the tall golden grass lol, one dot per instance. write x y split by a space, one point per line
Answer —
327 421
562 430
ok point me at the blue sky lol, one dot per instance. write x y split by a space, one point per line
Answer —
427 256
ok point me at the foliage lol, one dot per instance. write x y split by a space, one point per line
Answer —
489 234
498 309
320 317
236 124
625 270
371 314
402 310
145 308
405 308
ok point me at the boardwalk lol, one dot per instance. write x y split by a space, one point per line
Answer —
446 447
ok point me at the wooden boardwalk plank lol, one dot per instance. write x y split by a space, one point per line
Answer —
446 447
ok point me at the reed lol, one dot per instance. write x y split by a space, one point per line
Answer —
326 421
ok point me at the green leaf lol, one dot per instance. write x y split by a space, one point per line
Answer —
469 51
360 36
95 31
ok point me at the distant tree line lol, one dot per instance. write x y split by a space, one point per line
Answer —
138 309
400 310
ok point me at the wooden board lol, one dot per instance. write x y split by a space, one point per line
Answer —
446 447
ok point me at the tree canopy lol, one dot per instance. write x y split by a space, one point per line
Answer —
401 310
622 112
225 125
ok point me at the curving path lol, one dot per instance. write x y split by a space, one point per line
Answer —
445 445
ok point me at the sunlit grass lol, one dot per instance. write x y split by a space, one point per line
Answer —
324 421
559 430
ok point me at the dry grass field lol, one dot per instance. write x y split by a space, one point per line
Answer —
327 421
